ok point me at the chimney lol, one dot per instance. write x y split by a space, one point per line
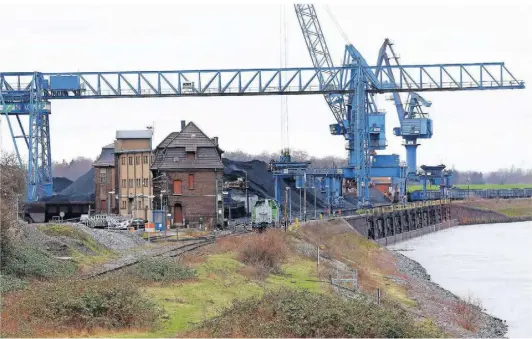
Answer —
215 140
183 123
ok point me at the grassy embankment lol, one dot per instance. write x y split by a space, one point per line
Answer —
272 277
88 253
412 188
513 208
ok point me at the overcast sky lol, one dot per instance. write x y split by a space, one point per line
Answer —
483 130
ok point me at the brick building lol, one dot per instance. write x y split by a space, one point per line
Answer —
133 186
188 166
105 181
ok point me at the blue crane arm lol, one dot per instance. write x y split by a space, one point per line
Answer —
240 82
383 58
320 56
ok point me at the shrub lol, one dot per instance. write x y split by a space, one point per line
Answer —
163 270
84 306
10 283
467 313
299 313
25 261
265 251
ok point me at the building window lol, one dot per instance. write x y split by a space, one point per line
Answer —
130 160
177 187
137 160
144 159
138 182
140 205
191 181
124 183
123 204
102 178
191 155
145 182
130 183
123 160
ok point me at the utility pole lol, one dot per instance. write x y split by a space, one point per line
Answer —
285 209
290 204
163 207
305 197
247 196
315 214
300 201
468 183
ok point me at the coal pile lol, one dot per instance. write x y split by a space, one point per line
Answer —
261 182
60 183
80 190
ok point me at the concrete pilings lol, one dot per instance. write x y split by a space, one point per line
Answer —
390 227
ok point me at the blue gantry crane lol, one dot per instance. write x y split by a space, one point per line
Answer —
349 90
414 122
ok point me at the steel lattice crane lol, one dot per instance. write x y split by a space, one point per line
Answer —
414 122
348 89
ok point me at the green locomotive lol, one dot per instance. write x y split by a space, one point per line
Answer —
265 214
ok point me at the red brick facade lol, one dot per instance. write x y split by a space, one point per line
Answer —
104 180
197 202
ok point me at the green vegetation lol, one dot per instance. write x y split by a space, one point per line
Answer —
259 282
10 283
150 269
516 208
300 313
31 262
88 253
412 188
64 306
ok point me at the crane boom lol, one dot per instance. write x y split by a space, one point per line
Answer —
320 56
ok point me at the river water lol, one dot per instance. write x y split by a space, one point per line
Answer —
490 262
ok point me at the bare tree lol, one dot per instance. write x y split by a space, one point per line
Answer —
12 183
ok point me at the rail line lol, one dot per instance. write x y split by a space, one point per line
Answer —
167 252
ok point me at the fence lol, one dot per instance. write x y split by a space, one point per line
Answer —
345 283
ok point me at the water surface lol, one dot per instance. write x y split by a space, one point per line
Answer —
490 262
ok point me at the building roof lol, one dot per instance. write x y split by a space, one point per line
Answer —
172 151
107 157
134 134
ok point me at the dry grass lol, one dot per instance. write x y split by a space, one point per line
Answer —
467 313
373 263
509 207
265 252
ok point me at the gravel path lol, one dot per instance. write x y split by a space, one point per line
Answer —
114 240
437 303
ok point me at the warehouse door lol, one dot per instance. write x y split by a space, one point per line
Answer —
178 214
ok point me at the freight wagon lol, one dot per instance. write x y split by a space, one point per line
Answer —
461 194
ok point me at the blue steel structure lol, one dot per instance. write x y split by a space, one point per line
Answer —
414 123
348 89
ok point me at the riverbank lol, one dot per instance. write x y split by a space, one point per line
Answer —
487 211
199 294
487 261
425 292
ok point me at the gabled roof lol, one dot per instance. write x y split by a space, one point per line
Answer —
171 152
191 135
107 157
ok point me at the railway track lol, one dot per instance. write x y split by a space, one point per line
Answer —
166 252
